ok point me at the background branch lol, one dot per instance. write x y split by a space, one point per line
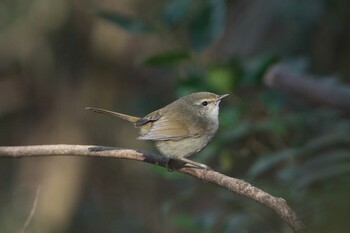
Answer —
320 91
32 212
236 186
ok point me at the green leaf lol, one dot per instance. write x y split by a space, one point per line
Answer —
256 68
176 11
208 24
127 23
221 79
167 58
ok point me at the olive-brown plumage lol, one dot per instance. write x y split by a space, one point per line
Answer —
181 128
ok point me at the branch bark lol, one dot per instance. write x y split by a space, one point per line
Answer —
234 185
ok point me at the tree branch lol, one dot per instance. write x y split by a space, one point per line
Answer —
236 186
321 91
32 212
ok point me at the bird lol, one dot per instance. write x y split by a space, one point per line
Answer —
181 128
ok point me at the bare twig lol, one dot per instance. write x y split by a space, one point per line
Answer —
236 186
32 212
319 91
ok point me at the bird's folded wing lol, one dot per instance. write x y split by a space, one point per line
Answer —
165 130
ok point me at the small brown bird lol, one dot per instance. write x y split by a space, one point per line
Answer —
181 128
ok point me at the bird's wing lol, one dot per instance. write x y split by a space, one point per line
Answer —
163 129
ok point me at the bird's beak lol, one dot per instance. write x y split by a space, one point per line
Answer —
220 97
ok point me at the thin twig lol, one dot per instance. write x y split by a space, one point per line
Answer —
32 211
236 186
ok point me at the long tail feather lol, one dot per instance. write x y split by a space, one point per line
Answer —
131 119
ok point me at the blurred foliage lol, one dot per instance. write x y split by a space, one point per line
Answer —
271 142
167 58
130 24
276 142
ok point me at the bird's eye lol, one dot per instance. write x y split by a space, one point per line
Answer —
205 103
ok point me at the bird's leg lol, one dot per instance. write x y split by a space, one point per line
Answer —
195 164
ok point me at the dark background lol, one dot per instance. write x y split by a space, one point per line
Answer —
134 56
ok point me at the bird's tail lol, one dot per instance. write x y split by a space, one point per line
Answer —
131 119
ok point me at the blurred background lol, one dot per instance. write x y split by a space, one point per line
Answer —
134 56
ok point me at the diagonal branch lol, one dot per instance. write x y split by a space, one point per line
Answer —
236 186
